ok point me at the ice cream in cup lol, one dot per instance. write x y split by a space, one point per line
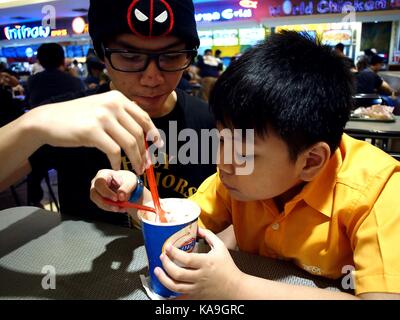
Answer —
180 231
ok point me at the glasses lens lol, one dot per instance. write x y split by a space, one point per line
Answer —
128 61
174 61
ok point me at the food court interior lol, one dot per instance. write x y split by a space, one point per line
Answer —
227 28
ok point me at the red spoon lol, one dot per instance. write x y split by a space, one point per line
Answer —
153 188
126 204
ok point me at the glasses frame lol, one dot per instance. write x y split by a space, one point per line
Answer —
150 56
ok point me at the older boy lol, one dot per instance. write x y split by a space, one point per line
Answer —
146 46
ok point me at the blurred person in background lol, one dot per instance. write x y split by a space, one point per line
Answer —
36 68
75 69
368 80
219 59
10 109
53 81
96 75
339 50
365 59
209 72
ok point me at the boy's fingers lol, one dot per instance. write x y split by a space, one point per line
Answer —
105 143
188 260
144 120
211 238
101 187
180 287
128 143
176 272
135 130
99 201
127 187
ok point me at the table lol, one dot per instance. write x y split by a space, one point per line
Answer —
95 260
392 78
385 131
374 129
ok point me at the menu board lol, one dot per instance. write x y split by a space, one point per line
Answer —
206 38
251 36
333 37
226 37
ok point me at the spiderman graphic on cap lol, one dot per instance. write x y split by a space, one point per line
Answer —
150 18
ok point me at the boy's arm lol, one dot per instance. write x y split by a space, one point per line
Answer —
214 275
255 288
108 121
19 139
258 288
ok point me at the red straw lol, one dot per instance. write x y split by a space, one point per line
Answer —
153 188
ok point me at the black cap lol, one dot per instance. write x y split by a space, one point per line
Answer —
145 18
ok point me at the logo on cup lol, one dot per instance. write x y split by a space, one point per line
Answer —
184 239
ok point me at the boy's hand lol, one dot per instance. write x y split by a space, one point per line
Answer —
108 121
213 275
113 185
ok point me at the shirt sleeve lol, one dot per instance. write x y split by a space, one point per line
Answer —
215 204
376 243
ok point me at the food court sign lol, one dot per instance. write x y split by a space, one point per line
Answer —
35 30
19 32
279 8
223 11
244 10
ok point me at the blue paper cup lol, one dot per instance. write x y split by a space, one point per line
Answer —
181 234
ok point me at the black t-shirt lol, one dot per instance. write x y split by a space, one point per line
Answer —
76 167
51 83
368 81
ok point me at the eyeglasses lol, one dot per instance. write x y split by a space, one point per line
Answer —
126 60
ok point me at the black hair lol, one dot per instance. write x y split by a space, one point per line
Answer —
207 51
340 46
375 59
51 55
291 84
218 52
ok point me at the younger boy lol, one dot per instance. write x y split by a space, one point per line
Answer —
316 196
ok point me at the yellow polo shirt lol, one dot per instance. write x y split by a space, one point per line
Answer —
348 217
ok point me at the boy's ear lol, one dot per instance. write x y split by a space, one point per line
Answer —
313 160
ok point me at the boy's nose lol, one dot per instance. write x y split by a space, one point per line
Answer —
152 76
